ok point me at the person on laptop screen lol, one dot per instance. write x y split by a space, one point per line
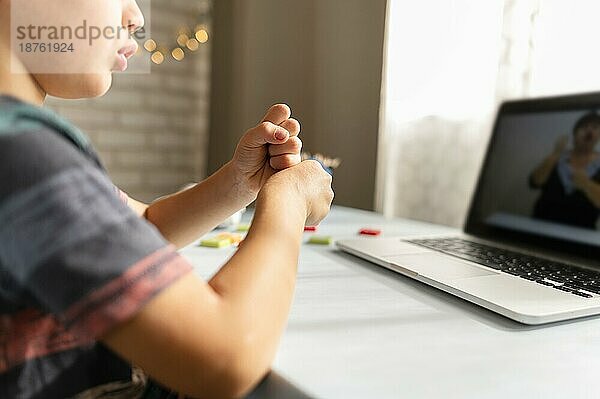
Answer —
569 179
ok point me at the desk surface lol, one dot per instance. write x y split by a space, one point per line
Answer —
359 331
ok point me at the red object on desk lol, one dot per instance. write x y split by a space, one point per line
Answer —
310 228
369 232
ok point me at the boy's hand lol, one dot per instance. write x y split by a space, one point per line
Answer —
271 146
307 185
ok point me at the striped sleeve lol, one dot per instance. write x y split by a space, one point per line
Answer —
72 253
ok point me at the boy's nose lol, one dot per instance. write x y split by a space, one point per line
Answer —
133 19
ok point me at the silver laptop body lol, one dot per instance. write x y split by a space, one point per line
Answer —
530 248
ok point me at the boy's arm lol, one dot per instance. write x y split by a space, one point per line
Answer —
137 206
271 146
218 339
186 215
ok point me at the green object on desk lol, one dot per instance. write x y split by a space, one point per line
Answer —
243 228
320 240
216 243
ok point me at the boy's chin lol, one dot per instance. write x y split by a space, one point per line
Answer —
76 86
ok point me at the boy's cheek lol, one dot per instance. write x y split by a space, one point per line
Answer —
69 36
75 86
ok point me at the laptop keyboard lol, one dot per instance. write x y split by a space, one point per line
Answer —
571 279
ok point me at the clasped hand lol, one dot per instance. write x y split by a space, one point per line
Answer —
271 146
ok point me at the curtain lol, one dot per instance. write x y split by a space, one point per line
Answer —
448 64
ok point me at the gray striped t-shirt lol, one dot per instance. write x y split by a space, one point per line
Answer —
75 261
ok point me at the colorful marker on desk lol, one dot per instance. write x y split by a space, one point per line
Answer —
233 237
369 232
242 228
216 243
320 240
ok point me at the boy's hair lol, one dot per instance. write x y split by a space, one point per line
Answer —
590 118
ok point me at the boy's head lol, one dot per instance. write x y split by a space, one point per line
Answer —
70 47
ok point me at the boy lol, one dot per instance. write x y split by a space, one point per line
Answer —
90 282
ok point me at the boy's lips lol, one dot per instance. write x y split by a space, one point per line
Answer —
123 55
129 50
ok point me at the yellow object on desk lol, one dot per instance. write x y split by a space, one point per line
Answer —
216 242
233 237
242 228
320 240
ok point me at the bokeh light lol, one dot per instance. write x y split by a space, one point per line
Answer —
178 54
202 36
192 44
150 45
157 57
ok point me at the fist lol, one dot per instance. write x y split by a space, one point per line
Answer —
271 146
307 183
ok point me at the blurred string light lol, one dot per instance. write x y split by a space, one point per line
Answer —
157 57
178 54
187 40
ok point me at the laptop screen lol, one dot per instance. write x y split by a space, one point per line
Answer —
541 178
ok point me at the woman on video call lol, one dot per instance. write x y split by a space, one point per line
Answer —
570 178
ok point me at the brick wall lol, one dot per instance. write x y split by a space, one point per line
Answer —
151 130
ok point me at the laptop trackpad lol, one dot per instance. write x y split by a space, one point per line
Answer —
438 267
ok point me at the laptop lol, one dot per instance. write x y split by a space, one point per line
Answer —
530 247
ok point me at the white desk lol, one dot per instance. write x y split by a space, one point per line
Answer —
359 331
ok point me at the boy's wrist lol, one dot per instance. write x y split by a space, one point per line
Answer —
284 195
239 184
